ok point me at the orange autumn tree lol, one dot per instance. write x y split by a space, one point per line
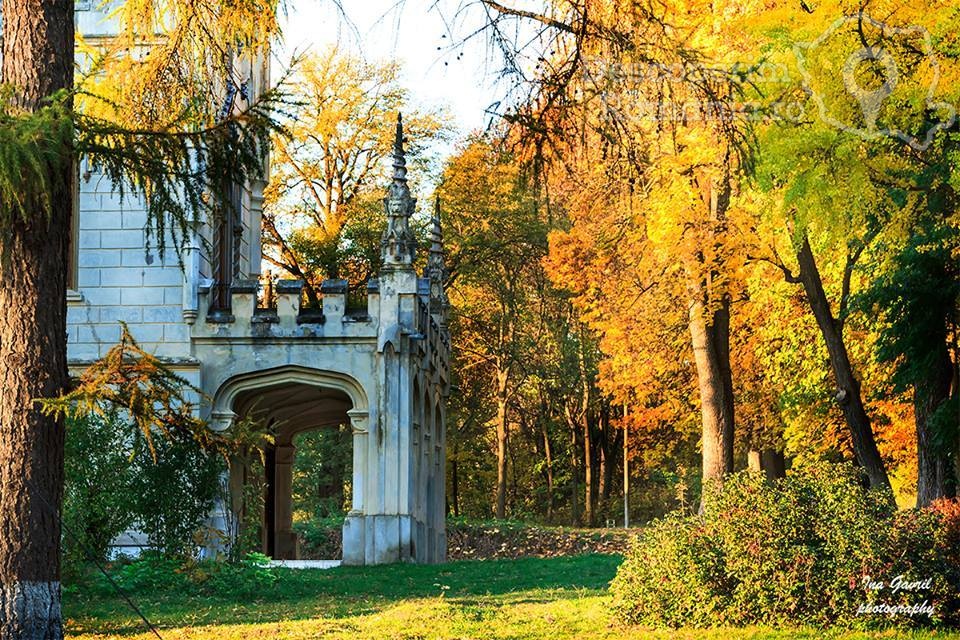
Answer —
653 152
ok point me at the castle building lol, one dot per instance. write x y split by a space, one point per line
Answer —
380 366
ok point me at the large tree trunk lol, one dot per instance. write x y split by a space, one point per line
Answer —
37 61
710 339
503 377
848 387
934 471
711 352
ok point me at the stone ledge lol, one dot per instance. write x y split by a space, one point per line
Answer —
170 361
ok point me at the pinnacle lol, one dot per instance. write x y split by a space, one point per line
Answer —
399 159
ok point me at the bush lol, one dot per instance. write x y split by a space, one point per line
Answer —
113 483
174 494
154 572
321 538
793 553
97 500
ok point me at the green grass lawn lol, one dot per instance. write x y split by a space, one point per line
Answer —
529 598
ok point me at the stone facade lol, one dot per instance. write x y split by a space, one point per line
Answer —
382 368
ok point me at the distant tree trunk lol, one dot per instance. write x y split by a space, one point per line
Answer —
602 475
574 465
37 54
455 479
768 461
548 457
587 474
710 337
935 477
610 448
773 464
503 378
626 468
589 498
848 387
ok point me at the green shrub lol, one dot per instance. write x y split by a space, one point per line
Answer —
250 576
174 493
154 572
97 498
321 538
795 552
113 483
150 572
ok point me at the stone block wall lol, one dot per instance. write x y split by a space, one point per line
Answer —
119 279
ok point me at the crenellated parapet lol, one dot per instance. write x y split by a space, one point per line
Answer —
284 314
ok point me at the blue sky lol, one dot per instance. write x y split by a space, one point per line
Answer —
412 33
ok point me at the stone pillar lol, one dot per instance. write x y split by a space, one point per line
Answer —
441 513
354 525
358 424
284 537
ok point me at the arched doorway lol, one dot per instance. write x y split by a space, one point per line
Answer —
293 402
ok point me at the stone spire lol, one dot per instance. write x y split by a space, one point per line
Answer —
436 270
397 245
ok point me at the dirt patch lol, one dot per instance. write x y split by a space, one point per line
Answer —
487 541
492 541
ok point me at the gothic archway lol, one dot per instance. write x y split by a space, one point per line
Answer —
291 401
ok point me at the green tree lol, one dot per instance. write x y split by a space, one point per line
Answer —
495 240
96 501
918 297
844 193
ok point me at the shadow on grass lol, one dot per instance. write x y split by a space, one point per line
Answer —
347 591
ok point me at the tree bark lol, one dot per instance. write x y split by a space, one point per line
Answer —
934 471
455 479
626 469
773 463
609 448
37 61
548 456
848 387
711 352
502 390
768 461
587 473
589 498
574 465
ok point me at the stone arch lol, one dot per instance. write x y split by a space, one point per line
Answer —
222 413
350 401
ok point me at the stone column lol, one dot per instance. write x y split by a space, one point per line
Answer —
354 525
358 424
284 537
